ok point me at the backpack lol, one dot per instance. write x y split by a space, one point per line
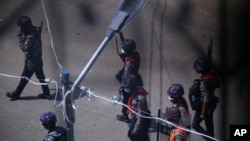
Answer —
194 95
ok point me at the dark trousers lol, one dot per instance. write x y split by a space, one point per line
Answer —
28 73
142 133
208 123
125 101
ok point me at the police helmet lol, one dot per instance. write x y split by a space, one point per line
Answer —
128 45
175 91
173 113
48 119
24 21
201 65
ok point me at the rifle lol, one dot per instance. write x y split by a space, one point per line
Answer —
122 39
158 125
39 31
209 53
41 27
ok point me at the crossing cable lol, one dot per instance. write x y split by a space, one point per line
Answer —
91 97
14 76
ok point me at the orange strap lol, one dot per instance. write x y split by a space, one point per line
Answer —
141 91
129 104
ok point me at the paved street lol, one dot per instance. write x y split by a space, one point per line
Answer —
170 35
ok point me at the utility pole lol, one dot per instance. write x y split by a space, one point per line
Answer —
69 111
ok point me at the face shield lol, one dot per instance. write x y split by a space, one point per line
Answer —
172 99
198 69
123 51
43 126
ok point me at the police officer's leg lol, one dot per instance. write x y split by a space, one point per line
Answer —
125 101
131 127
209 119
124 116
41 77
210 125
23 81
143 132
196 122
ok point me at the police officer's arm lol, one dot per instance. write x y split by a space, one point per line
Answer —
205 93
120 91
141 109
204 109
26 42
21 38
138 118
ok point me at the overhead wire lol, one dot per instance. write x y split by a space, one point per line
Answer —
56 58
50 34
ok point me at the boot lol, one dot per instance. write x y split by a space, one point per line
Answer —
13 95
45 96
123 118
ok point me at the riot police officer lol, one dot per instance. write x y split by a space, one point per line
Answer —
56 133
131 60
173 115
209 83
175 95
139 125
30 43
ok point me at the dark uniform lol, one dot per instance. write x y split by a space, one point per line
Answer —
175 95
173 114
139 125
208 85
138 130
56 133
131 59
30 43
